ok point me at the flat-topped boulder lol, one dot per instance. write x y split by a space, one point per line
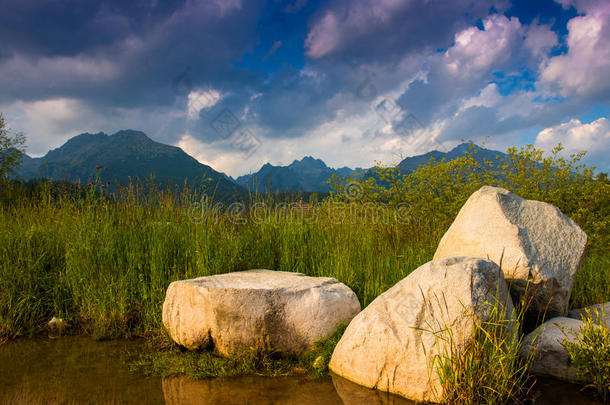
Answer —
600 314
256 309
535 243
550 358
392 344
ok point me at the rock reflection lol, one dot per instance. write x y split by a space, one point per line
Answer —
249 390
77 370
354 394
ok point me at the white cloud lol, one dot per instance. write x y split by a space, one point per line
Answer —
477 51
576 136
585 69
488 97
56 72
540 39
47 123
198 100
332 30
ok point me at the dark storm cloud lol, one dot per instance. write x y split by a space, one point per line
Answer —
124 56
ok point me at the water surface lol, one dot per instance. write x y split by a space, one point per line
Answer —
78 370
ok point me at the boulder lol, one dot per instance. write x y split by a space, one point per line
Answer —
537 245
392 344
550 357
256 309
600 314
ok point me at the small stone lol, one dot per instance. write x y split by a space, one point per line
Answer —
318 363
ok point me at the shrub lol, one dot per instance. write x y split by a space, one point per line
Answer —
590 353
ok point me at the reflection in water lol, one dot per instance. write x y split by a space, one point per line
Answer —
72 370
354 394
77 370
249 390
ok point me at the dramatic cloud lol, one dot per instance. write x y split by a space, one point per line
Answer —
351 82
585 69
385 29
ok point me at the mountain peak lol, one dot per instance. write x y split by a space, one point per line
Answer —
412 163
131 135
465 147
308 162
125 155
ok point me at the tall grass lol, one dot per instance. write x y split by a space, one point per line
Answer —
487 368
103 263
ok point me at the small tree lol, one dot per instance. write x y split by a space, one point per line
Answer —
11 150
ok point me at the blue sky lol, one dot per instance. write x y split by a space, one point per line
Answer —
239 83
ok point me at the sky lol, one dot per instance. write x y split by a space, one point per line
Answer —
238 83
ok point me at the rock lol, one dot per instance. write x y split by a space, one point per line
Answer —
256 309
318 363
56 324
535 242
599 312
545 344
391 344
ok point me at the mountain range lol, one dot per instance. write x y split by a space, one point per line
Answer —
128 154
121 157
307 174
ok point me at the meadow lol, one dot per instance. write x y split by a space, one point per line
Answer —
103 263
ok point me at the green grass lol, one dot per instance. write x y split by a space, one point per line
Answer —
104 264
165 359
488 367
590 353
205 364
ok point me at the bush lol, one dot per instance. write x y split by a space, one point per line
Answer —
590 353
438 189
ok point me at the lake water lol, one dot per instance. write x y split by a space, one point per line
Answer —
78 370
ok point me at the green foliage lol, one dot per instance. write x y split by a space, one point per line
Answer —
488 368
104 264
317 359
205 364
590 353
440 189
11 150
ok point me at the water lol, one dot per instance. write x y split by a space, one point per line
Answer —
78 370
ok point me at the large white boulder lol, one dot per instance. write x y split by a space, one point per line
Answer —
533 240
549 356
256 309
391 345
600 314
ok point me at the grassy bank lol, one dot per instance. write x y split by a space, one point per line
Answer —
103 262
105 265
